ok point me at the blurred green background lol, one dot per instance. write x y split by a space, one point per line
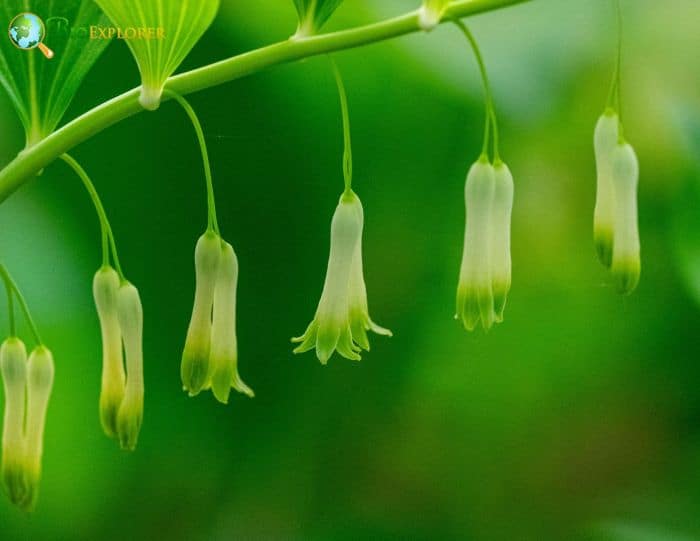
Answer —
577 418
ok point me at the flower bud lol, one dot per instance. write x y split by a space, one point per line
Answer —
360 321
223 359
13 364
474 293
430 13
40 374
130 416
500 237
330 329
160 35
195 357
604 143
104 288
626 264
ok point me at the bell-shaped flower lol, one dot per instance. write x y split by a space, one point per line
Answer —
604 143
40 373
430 13
104 287
223 358
13 364
626 265
130 415
475 301
330 329
360 321
160 34
194 368
500 237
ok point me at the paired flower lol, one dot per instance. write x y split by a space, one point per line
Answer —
27 386
342 317
210 356
615 228
121 323
485 275
160 34
430 13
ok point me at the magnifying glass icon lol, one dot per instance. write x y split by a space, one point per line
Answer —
27 31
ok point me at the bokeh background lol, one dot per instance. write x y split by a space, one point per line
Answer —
577 418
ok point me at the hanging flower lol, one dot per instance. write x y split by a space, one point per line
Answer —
195 357
330 329
626 265
475 301
360 322
223 359
40 374
500 237
13 364
430 13
604 143
174 27
130 415
104 287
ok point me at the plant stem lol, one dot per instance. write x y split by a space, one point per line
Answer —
347 144
105 227
23 304
10 301
212 222
488 96
33 159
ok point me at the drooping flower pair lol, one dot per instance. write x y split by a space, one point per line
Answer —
342 318
121 323
485 274
27 384
210 357
615 227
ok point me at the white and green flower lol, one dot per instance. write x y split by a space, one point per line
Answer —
475 300
604 143
130 415
40 375
13 364
331 330
223 357
500 237
195 357
626 265
104 287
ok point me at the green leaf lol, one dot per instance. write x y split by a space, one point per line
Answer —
42 89
313 14
177 26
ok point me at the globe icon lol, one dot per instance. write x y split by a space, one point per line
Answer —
27 31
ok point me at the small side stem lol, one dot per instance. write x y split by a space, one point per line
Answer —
106 228
213 224
490 110
10 302
11 285
347 144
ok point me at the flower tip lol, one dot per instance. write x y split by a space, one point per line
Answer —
626 275
129 420
604 246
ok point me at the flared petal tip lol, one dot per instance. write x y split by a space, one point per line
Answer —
240 386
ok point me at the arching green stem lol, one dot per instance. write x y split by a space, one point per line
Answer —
212 222
105 227
490 111
11 285
347 145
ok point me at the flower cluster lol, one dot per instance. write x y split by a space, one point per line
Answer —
342 317
27 384
210 356
121 323
615 228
